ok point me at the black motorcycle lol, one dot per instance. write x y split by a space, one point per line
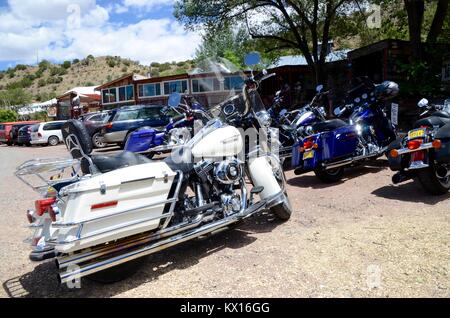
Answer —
424 153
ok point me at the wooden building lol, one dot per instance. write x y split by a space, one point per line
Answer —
77 101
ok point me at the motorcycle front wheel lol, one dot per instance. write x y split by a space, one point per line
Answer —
330 176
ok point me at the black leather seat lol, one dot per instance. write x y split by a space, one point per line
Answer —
79 144
432 121
441 113
328 125
106 163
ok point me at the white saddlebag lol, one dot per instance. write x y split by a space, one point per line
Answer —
113 205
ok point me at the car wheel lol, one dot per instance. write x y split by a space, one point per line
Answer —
97 140
53 141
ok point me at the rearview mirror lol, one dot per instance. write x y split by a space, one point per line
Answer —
337 111
252 59
423 103
319 88
174 99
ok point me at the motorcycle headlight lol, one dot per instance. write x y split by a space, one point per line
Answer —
264 119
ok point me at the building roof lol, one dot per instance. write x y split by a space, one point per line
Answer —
300 60
134 77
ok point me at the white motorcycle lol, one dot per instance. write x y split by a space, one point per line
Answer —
101 213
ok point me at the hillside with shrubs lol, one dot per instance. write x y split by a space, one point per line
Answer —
24 84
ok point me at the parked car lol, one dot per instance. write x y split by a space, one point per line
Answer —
5 130
125 120
94 123
47 133
24 135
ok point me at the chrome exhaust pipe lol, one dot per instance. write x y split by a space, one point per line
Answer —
348 161
97 266
442 172
67 261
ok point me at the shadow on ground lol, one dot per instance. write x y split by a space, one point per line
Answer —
311 181
42 282
409 192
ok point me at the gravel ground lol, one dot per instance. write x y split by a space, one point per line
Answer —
363 237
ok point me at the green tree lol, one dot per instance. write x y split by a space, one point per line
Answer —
8 115
66 64
296 25
14 97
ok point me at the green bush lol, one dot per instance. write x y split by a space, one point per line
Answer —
42 82
66 64
7 115
44 64
75 61
20 67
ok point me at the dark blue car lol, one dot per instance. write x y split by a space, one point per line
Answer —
24 135
125 120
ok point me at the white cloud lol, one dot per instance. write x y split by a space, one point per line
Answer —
147 4
54 32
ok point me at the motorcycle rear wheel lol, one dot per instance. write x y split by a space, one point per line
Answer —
330 176
117 273
431 183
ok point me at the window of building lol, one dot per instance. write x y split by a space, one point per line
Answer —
205 85
150 90
126 93
233 83
109 95
175 87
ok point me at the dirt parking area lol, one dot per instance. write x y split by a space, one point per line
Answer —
362 237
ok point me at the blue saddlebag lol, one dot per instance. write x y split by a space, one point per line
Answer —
141 140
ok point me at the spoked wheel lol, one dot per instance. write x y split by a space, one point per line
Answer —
432 183
97 140
331 175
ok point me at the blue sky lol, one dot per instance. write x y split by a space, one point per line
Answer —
58 30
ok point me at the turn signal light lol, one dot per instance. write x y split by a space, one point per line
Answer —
437 144
44 205
394 153
414 144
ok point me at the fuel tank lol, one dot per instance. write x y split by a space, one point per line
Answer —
222 142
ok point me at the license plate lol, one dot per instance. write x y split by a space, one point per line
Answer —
417 133
308 155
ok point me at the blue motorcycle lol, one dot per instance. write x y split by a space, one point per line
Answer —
293 125
148 141
336 143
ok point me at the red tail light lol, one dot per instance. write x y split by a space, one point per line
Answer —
44 205
417 156
310 144
108 125
414 144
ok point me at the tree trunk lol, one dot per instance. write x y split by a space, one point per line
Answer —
438 21
415 9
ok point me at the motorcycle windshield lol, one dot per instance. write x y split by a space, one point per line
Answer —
220 83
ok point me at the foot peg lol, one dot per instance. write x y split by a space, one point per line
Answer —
255 190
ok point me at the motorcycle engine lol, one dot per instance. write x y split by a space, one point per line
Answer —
228 171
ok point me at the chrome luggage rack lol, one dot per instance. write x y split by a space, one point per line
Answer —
48 172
